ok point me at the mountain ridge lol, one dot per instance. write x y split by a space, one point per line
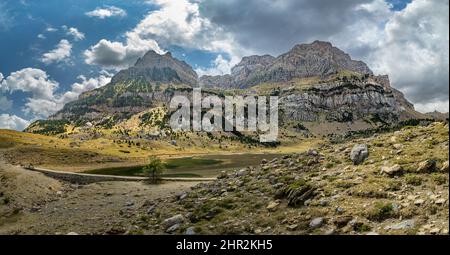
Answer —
316 83
303 60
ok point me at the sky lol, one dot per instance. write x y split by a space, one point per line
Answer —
52 51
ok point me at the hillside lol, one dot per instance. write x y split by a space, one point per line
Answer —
401 188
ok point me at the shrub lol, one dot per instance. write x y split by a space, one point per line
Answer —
413 180
381 211
154 169
439 179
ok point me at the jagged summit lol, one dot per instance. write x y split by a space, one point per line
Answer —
319 58
341 90
322 58
153 67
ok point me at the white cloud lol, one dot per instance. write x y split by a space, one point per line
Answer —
414 51
177 22
110 11
72 31
440 106
42 108
116 55
41 36
43 101
13 122
86 84
5 104
220 66
61 53
51 29
30 80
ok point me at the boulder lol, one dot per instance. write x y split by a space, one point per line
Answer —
359 153
426 166
173 228
177 219
272 206
394 170
316 223
407 224
190 231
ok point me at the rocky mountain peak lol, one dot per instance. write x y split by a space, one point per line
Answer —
320 59
317 59
154 67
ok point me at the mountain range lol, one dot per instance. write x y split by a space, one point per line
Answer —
321 89
319 59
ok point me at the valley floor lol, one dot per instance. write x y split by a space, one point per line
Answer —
36 204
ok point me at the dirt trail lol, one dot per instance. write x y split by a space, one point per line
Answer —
37 204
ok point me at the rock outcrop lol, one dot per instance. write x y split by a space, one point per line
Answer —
343 101
153 67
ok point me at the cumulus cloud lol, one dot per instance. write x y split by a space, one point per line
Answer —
12 122
86 84
220 66
107 12
61 53
5 104
176 22
44 101
72 31
415 53
31 80
117 55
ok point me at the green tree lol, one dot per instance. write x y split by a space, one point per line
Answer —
154 168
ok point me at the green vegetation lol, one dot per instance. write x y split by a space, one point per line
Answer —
298 192
381 211
154 169
413 179
48 127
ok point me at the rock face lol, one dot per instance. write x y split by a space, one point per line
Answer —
342 90
133 90
340 101
304 60
359 153
153 67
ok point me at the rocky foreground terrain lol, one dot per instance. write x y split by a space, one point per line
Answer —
386 183
392 183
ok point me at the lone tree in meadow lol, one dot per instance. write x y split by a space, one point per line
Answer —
154 169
